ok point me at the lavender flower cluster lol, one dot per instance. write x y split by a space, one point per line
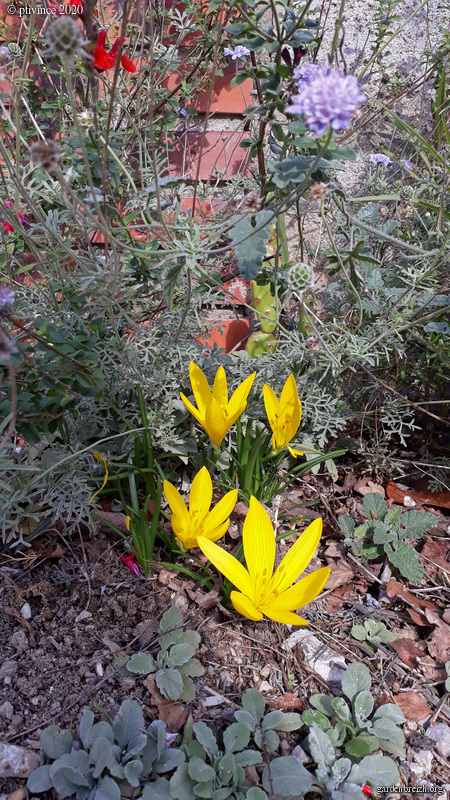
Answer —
326 97
380 158
6 297
238 52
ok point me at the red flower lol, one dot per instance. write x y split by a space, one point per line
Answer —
7 226
367 791
131 563
104 59
127 64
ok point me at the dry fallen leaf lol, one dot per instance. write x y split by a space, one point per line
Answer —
340 574
439 642
288 702
397 493
436 554
173 714
408 651
413 706
367 486
396 589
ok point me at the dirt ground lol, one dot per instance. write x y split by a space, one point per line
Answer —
86 609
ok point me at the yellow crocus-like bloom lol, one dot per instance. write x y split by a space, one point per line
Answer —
214 413
198 520
284 415
260 592
99 457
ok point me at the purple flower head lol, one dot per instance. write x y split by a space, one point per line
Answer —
238 52
378 158
4 52
182 112
6 297
407 164
330 99
308 71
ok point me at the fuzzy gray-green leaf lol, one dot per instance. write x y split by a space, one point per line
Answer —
55 742
206 738
407 561
107 790
128 722
236 737
170 683
199 771
250 242
356 678
417 523
39 780
363 704
320 746
170 619
254 703
157 790
289 777
133 772
374 503
179 654
141 664
379 770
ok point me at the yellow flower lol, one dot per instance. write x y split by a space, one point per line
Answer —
261 592
284 415
198 520
214 413
102 460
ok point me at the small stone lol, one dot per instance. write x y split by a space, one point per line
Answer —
264 686
17 762
6 710
424 758
19 642
19 794
265 671
83 615
26 611
299 753
99 670
8 668
440 734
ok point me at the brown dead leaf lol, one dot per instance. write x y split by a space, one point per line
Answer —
367 486
335 550
413 706
288 702
428 669
446 616
408 651
339 596
48 552
173 714
436 553
240 510
116 518
397 493
417 617
205 601
340 574
439 642
396 589
156 697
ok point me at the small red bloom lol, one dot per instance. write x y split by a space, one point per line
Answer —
7 226
131 563
127 64
367 791
102 59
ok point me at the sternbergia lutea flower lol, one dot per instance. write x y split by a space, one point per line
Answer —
198 520
215 413
284 415
328 99
261 590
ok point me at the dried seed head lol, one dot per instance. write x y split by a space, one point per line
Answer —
318 191
86 119
46 154
300 277
64 38
252 203
14 49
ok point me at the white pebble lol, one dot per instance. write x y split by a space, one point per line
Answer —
26 611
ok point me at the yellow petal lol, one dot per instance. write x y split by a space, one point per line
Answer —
200 387
219 513
227 564
127 523
194 411
258 538
302 592
178 507
272 407
291 410
294 453
215 424
220 389
99 457
201 495
297 558
238 400
286 617
217 533
243 606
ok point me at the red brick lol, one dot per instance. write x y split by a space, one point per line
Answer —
236 292
224 99
220 151
229 333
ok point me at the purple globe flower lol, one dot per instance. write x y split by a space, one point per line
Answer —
330 99
378 158
308 71
6 297
407 164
